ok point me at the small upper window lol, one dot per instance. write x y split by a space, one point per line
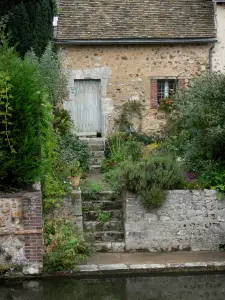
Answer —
165 88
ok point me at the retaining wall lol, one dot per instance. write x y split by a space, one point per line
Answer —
71 209
21 231
188 220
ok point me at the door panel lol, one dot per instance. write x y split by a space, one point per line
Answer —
85 105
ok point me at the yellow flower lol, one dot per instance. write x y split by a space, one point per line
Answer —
149 149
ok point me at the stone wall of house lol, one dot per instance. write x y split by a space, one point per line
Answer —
219 49
188 220
21 231
131 68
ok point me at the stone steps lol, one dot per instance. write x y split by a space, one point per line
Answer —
96 161
93 215
109 236
97 157
96 237
102 205
112 247
95 144
98 154
95 169
97 147
112 225
103 211
101 196
103 221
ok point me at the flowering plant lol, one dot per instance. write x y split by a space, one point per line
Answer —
191 181
150 149
166 104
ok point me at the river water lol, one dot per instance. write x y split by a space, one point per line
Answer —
174 287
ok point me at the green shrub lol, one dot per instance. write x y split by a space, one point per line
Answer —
30 127
149 178
196 131
54 191
72 148
120 147
64 248
62 121
104 216
53 75
89 186
144 138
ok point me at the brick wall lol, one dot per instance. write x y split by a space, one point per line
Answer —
153 93
33 227
21 231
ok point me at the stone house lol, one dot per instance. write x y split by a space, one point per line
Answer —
130 50
219 49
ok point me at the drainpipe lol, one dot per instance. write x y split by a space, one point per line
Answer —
210 58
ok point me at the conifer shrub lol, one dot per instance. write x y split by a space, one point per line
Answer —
28 23
28 154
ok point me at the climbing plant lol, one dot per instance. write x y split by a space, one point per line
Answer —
5 110
129 112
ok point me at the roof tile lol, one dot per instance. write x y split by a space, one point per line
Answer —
127 19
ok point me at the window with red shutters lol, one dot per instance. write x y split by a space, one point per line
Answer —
162 88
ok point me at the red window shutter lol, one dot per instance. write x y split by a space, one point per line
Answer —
153 93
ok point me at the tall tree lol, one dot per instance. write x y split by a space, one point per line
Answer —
19 29
29 23
43 31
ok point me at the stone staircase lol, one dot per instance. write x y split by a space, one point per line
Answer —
103 221
102 212
97 147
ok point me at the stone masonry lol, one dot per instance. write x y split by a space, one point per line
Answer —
188 220
71 209
131 70
21 231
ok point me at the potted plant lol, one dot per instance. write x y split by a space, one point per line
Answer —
75 173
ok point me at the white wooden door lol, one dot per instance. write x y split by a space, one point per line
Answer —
85 106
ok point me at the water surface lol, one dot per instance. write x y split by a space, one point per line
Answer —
176 287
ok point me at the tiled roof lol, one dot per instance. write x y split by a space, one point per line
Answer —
134 19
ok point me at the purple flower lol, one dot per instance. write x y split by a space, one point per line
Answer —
190 177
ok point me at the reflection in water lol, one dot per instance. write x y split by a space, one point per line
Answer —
188 287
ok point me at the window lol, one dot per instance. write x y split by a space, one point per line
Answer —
165 87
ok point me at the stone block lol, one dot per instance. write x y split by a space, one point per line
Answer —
88 268
118 246
113 267
109 236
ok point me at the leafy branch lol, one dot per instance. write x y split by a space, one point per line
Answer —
5 108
